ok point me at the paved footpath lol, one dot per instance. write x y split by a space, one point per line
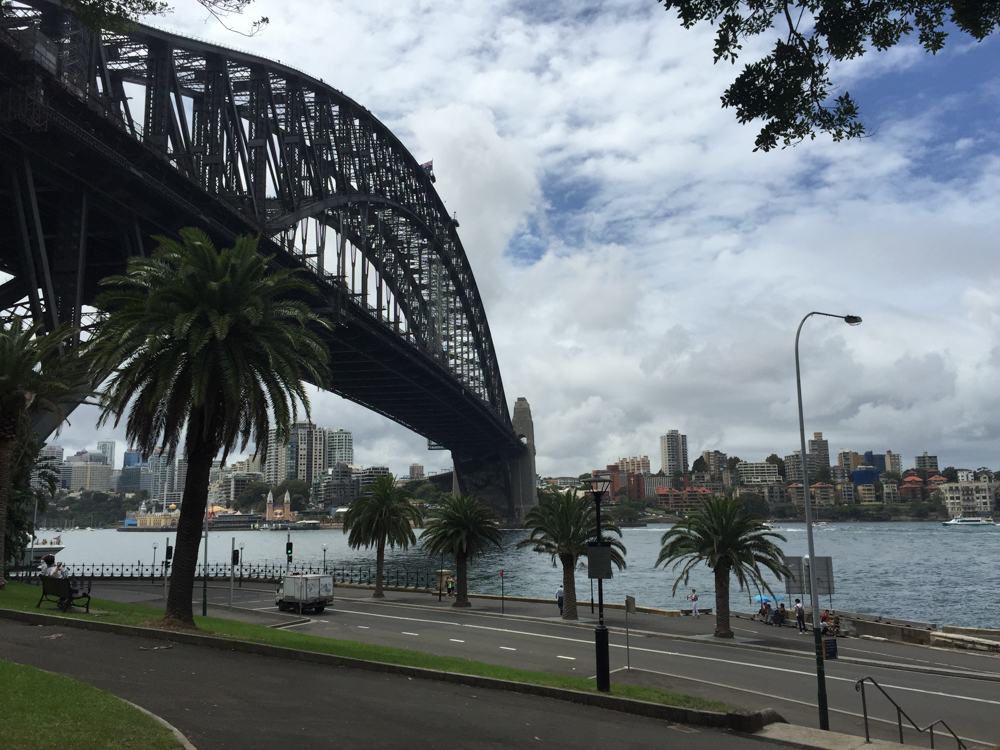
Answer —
674 653
222 699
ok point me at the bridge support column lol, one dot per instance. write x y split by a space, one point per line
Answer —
504 480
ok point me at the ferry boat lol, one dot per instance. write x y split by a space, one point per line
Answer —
975 522
42 548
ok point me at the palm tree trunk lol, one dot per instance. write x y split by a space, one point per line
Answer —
569 586
6 451
189 527
379 564
722 629
462 594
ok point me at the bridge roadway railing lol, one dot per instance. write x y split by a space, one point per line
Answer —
363 575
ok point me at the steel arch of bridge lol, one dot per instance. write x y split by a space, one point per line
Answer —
108 140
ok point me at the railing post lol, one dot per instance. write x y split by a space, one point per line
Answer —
864 711
899 720
931 727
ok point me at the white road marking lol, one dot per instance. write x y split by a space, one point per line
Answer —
508 648
363 627
674 653
571 658
455 640
405 633
325 621
261 609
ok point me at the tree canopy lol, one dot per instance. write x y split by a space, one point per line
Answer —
790 89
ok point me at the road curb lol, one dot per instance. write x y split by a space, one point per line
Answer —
178 735
739 720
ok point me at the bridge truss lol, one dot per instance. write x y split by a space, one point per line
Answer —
107 140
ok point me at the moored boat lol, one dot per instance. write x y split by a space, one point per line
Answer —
979 522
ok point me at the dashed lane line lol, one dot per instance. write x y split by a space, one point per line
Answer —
571 658
508 648
405 633
455 640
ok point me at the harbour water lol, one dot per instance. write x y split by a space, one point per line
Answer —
916 571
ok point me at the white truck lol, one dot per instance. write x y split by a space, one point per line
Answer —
304 593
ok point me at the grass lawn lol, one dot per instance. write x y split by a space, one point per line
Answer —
42 711
24 597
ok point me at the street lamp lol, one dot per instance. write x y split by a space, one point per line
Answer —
242 544
824 714
324 558
152 572
598 486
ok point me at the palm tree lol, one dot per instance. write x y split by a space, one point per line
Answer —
36 376
561 526
383 515
465 528
214 341
726 542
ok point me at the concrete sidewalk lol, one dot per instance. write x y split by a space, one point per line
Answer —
222 699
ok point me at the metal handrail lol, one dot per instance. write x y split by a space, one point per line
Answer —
900 714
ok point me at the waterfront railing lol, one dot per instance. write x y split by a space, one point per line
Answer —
362 575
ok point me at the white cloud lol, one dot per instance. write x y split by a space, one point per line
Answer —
609 205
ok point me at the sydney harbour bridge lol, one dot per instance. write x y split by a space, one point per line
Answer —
107 140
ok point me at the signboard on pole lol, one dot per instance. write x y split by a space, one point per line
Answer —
599 560
798 581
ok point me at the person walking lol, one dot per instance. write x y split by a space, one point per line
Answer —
800 616
694 603
560 596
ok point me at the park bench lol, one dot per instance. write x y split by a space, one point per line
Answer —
60 590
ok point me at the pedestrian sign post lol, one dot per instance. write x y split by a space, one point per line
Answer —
798 580
830 648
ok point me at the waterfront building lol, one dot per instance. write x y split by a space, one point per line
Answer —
890 491
652 481
774 494
673 453
850 460
877 460
369 475
681 501
927 463
819 448
336 488
571 482
866 475
634 465
793 466
757 472
717 463
965 475
840 474
416 471
234 483
866 494
158 470
90 476
969 499
893 462
821 494
706 480
912 488
845 493
281 512
935 481
107 447
339 447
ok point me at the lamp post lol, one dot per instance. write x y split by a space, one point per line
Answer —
824 714
241 564
152 573
324 558
598 486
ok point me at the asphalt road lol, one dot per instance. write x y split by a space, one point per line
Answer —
696 665
221 699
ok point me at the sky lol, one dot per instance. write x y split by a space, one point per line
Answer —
642 268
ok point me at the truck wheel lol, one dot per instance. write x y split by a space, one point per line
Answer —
318 609
282 606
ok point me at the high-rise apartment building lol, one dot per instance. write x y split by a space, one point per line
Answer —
793 466
159 472
303 457
634 465
929 463
90 476
416 471
877 460
340 447
177 474
133 457
820 448
850 460
369 475
673 453
107 447
893 462
757 473
336 488
717 462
